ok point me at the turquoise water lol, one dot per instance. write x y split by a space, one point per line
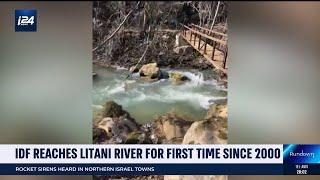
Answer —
145 100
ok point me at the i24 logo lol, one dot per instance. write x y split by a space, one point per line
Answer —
25 20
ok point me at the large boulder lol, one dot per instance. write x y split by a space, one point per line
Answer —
116 122
171 128
211 131
192 177
112 109
118 127
150 71
109 126
178 78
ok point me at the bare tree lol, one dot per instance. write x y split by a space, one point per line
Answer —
205 10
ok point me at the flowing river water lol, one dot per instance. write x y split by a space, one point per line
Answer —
145 100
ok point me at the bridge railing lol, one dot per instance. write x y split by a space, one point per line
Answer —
211 32
208 39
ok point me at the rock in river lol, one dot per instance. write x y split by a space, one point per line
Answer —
150 70
178 78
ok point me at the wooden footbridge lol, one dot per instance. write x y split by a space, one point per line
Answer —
209 43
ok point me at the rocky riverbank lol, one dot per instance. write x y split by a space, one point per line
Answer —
113 125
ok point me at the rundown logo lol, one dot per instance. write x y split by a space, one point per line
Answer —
25 20
302 154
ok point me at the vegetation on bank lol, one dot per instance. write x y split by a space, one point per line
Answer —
129 32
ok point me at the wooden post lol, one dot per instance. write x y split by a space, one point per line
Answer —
194 42
205 46
199 42
225 58
213 49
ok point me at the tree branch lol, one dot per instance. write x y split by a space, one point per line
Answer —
215 15
118 28
144 53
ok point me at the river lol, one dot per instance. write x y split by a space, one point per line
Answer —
145 100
